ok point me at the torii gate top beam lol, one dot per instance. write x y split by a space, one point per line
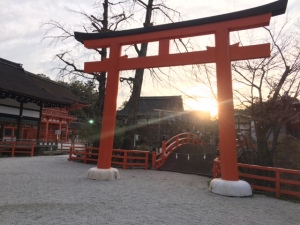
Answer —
274 9
260 16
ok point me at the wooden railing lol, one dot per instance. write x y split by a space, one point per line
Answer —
124 158
158 159
67 145
276 180
12 147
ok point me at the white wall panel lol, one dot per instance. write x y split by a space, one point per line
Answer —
31 113
9 110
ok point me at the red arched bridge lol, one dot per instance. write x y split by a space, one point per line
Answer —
169 146
184 152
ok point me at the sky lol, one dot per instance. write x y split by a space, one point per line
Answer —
22 33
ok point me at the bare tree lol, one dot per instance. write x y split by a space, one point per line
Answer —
272 88
69 67
137 82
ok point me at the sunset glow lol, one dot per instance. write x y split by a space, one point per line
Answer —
202 104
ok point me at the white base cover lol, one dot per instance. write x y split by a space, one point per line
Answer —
103 174
238 188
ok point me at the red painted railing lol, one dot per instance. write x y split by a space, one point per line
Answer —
278 180
158 159
125 158
13 147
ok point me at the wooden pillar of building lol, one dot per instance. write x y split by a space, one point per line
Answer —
39 124
67 131
19 122
59 128
46 129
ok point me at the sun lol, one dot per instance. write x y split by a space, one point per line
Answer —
202 104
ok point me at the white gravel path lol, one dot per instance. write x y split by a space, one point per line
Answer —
48 190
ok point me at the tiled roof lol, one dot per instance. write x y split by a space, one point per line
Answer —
150 106
24 86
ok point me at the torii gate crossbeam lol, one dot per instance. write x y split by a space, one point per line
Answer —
222 54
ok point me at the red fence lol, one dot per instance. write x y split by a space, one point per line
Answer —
12 147
158 159
276 180
124 158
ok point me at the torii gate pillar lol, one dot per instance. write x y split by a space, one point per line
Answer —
229 183
222 54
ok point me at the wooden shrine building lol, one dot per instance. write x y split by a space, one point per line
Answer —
33 107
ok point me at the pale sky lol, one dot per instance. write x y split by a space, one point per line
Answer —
21 31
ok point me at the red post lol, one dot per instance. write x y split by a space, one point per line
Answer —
110 109
277 184
146 160
227 135
71 152
67 133
163 148
59 128
46 129
84 154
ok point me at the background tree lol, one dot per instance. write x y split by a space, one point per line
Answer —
137 82
104 23
87 92
70 67
272 87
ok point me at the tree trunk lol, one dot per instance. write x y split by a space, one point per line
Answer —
263 150
101 78
101 94
134 100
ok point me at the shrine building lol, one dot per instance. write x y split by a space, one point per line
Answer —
33 107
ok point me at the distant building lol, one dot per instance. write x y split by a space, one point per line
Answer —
162 117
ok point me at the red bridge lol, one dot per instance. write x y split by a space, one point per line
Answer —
185 152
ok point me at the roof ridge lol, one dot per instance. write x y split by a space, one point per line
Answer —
46 79
10 63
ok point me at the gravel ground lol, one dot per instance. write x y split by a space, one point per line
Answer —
51 190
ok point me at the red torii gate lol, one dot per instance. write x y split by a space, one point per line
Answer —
222 54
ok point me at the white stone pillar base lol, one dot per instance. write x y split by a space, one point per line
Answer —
103 174
238 188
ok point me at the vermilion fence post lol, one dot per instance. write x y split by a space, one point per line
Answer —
70 153
146 160
84 154
277 184
163 151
